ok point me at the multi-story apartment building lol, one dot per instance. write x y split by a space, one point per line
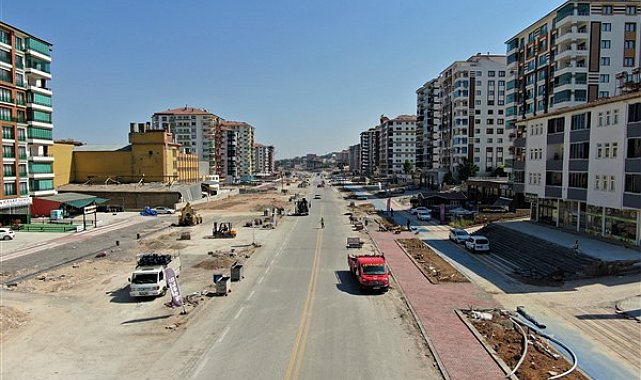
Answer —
570 56
194 129
428 121
354 158
227 154
264 159
369 151
244 146
583 168
397 144
26 116
467 118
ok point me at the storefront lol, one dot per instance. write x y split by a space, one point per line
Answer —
15 211
614 224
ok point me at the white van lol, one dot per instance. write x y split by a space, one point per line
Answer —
477 243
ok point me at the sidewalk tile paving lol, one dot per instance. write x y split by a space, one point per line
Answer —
460 352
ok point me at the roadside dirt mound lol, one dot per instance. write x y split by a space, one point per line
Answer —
542 360
69 277
12 318
166 241
248 202
432 265
213 263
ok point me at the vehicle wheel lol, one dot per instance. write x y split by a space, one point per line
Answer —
6 237
164 292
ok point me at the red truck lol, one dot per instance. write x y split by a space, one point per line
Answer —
370 270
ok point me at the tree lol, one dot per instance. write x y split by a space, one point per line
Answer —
407 167
467 169
499 171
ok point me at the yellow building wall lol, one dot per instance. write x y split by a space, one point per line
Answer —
98 166
62 164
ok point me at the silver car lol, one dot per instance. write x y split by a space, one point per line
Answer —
459 235
478 243
164 210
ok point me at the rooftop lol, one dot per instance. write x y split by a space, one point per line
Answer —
184 111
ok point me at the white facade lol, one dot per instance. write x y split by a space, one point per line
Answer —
469 114
194 129
397 144
244 149
264 159
583 167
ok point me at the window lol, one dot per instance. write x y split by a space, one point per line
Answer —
579 151
606 27
606 10
628 62
529 179
633 183
612 181
606 150
615 150
605 44
491 73
490 141
580 121
630 27
634 112
628 44
634 148
615 117
599 150
605 61
579 180
604 78
501 74
604 94
597 182
490 121
630 10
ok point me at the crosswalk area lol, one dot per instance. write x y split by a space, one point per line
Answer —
432 228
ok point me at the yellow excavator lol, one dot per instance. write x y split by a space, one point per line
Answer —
189 217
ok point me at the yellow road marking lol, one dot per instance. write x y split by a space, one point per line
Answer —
298 350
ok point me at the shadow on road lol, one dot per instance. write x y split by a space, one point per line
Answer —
348 284
139 320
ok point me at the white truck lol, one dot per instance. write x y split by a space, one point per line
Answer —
149 278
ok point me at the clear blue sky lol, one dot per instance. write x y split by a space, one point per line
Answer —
310 76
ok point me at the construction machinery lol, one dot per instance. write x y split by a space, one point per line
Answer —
223 230
189 217
301 207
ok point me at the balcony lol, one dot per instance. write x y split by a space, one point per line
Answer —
519 165
553 192
519 142
631 200
577 194
633 165
554 165
578 165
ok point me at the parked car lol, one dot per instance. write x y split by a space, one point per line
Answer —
164 210
7 234
424 215
477 243
416 210
459 236
317 196
361 197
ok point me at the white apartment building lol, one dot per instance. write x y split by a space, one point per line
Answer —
264 159
570 56
467 118
583 167
397 144
194 129
244 149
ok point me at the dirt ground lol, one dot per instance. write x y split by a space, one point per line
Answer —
248 203
542 360
432 265
85 277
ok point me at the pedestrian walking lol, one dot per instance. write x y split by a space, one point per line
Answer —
408 224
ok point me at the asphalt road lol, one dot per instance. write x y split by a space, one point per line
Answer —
303 316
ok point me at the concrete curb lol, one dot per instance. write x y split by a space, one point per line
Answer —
426 338
497 359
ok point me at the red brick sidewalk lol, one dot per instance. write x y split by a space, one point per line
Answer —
461 354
